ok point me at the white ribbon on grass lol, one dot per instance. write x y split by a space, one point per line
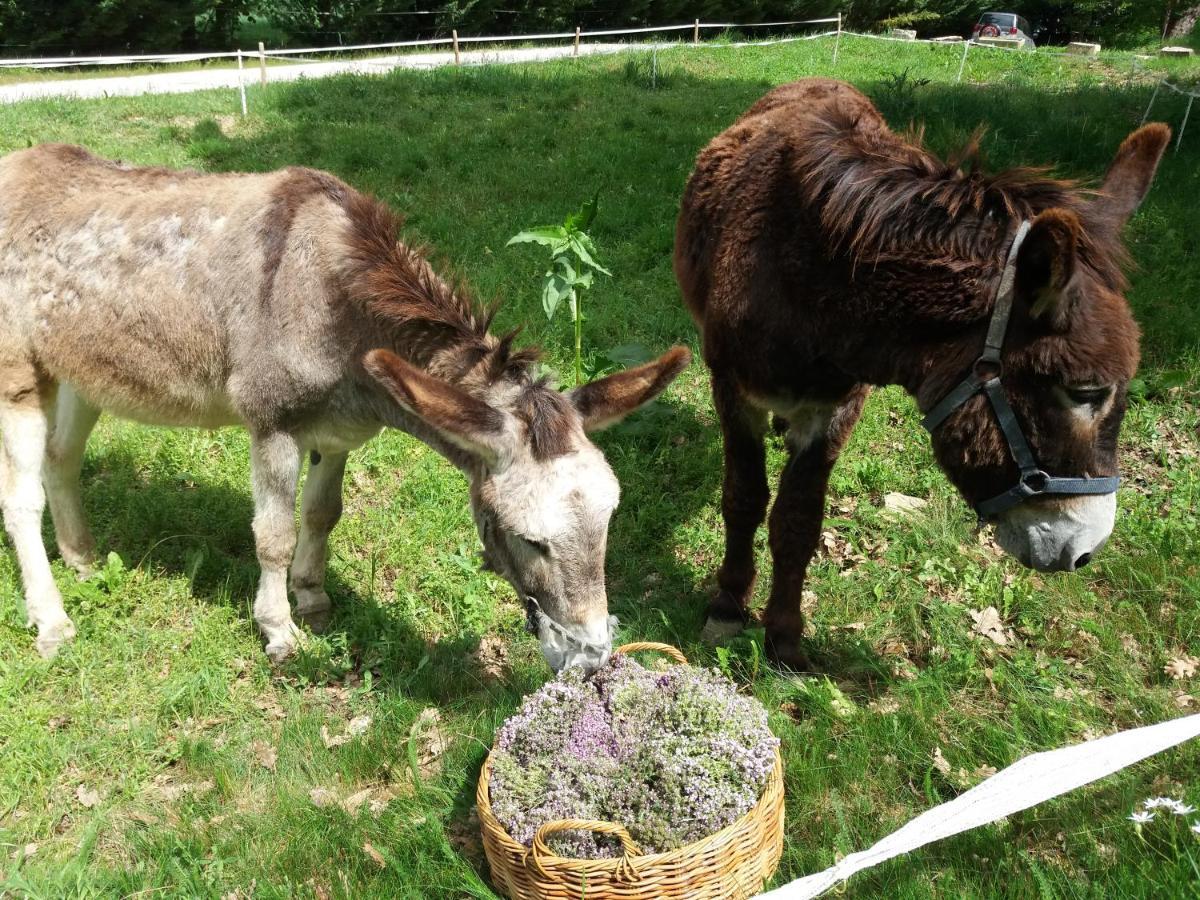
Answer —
1027 782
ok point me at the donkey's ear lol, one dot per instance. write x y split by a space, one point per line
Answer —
1129 176
465 421
1045 264
609 400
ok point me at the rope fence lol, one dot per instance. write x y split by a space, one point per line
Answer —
310 55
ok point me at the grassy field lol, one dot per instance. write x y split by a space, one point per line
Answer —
160 755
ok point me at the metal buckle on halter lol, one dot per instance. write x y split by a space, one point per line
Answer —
1035 482
986 369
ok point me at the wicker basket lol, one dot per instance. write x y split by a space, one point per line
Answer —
733 863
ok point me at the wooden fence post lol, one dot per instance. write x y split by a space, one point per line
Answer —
454 36
262 63
696 32
576 53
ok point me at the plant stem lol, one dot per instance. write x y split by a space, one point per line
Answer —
578 337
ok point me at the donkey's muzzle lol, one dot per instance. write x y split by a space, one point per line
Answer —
1059 535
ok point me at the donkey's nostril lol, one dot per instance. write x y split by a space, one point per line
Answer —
1083 560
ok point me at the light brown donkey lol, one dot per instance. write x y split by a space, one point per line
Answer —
283 302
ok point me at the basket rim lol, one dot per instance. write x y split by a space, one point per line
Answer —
774 784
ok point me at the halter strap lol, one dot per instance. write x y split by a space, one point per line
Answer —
985 378
538 617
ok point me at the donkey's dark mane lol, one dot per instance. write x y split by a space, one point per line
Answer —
417 308
881 196
425 314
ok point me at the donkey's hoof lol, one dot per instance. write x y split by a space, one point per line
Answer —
314 610
788 655
51 637
282 645
83 563
718 630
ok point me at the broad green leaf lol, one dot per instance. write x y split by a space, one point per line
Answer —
585 250
546 235
628 355
566 271
582 220
555 291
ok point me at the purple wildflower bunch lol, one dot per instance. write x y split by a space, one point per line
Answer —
672 755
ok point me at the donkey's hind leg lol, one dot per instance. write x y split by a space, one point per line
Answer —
320 509
74 419
744 497
274 471
23 428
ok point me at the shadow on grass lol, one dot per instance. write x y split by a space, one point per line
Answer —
473 155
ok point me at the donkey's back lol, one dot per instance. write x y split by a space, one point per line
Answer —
175 298
163 296
740 207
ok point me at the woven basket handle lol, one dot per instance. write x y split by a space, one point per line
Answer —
626 869
650 645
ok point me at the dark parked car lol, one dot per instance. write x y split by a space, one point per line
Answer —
1004 25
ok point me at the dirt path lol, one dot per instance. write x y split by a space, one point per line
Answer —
208 79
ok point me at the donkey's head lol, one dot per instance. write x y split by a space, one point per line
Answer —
1069 350
541 492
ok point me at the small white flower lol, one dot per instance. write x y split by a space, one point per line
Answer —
1182 809
1141 817
1196 827
1156 802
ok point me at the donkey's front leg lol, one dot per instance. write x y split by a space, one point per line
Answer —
274 471
319 512
23 428
815 439
744 497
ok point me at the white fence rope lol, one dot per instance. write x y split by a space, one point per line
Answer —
166 58
1027 782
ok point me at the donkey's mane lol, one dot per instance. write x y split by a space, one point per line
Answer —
425 314
883 196
417 308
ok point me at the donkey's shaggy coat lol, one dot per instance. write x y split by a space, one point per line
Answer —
283 302
820 254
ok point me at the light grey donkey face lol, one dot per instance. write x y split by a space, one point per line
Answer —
544 527
541 493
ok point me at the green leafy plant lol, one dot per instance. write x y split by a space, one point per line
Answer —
572 268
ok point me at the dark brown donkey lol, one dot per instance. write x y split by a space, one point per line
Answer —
820 254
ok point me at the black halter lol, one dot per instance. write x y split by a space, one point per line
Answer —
985 377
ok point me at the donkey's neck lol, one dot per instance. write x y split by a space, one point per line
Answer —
919 328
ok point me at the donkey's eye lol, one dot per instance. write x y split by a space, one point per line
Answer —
1088 395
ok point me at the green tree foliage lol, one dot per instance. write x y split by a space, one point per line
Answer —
65 27
89 26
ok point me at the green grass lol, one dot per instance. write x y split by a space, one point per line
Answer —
164 704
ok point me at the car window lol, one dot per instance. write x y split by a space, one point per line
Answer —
1023 24
1004 20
